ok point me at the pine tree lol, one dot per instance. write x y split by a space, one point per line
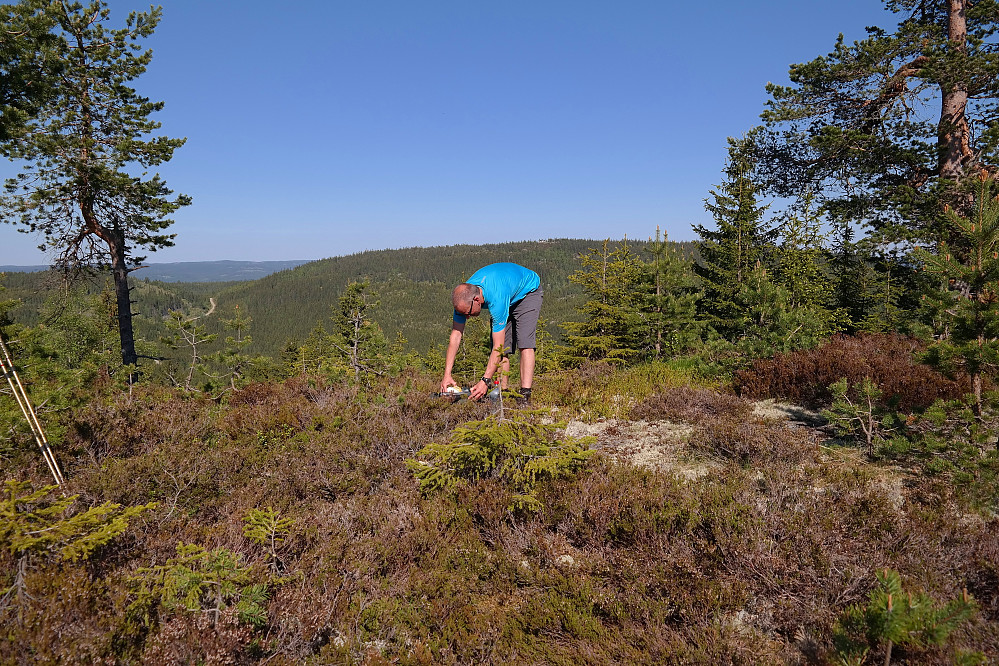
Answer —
894 617
83 147
548 355
191 335
850 126
28 65
728 254
35 521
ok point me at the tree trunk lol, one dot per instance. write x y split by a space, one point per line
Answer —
119 272
976 389
953 134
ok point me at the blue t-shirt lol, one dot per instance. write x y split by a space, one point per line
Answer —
502 285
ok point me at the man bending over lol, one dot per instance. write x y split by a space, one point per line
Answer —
512 294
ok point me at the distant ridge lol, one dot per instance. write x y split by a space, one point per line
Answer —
411 286
195 271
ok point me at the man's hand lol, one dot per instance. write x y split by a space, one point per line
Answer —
479 390
446 382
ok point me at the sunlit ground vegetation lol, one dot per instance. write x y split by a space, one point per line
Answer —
293 521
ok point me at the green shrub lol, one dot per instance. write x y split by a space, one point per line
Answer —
199 579
517 451
35 522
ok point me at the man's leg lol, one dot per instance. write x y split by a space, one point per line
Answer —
526 368
525 313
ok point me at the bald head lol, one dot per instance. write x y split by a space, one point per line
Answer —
462 296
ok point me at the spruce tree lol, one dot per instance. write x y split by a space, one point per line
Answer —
37 522
36 526
969 268
610 277
517 451
770 322
667 303
728 254
291 358
885 294
232 358
359 342
799 257
86 150
316 353
852 277
473 354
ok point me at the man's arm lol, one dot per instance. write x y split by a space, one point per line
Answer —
452 353
481 387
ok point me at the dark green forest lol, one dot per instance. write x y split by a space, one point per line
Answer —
776 444
413 288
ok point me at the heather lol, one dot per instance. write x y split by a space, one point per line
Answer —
283 523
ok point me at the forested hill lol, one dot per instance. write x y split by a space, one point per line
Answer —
413 286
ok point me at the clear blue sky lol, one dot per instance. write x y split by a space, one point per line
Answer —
317 129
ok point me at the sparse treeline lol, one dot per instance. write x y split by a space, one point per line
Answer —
758 282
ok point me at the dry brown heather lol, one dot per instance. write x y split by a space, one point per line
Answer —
702 532
804 377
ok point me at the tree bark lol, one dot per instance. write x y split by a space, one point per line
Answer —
954 141
119 272
115 241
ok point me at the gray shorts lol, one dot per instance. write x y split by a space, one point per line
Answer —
522 326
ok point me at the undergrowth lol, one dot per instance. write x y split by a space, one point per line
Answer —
289 528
